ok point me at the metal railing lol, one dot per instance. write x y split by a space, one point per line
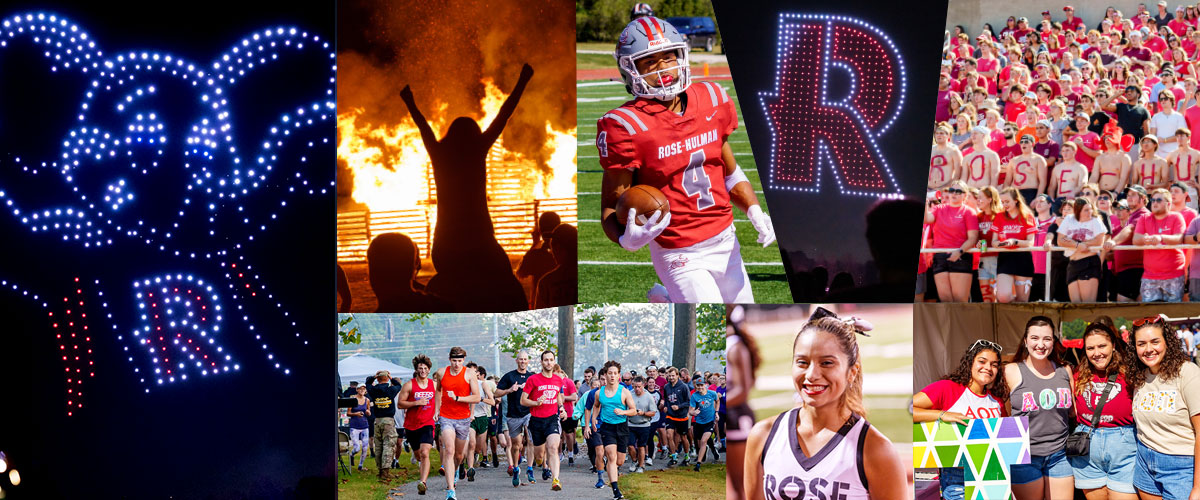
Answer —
1097 249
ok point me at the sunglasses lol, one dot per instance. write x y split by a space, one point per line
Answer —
986 344
954 191
1158 200
1106 198
1148 321
1088 193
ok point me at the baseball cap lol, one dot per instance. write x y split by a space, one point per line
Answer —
1045 12
1068 8
1045 123
1027 138
980 129
1064 77
1030 95
1121 205
1137 188
1162 3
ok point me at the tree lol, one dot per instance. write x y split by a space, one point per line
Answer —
710 330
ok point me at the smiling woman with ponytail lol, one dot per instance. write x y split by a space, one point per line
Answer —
825 444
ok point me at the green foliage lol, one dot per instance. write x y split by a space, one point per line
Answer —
531 336
710 330
603 20
591 320
1073 329
350 336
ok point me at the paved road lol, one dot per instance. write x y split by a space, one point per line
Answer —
494 484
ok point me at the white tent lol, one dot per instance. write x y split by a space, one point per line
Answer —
360 366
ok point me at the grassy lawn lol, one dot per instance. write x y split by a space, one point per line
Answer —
364 485
595 61
596 281
680 482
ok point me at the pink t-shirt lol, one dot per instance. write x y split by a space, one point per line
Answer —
568 388
1192 117
951 224
544 390
1091 141
1162 264
949 396
1039 257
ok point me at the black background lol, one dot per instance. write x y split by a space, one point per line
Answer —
254 434
828 225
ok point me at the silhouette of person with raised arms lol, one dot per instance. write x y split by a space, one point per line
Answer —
392 264
473 271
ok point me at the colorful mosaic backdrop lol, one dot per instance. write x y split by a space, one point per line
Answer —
985 448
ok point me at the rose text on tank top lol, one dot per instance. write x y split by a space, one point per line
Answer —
420 416
458 384
834 471
1047 403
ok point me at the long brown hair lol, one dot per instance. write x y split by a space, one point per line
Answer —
1115 366
847 338
1055 353
993 206
962 375
1169 367
1022 208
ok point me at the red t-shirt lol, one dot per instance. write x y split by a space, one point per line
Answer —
1072 24
1128 259
1012 110
1092 141
1005 227
1192 117
951 224
568 388
679 155
1162 264
544 390
949 396
1118 408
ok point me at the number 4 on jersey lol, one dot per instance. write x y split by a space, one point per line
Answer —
696 181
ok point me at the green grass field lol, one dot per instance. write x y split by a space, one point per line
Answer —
680 482
363 485
892 334
600 281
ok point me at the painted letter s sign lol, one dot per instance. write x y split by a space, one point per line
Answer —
810 131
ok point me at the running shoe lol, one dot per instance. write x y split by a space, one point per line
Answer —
462 472
495 462
450 495
697 467
571 461
556 486
516 475
650 461
471 474
546 474
617 494
421 488
632 467
529 473
599 479
413 460
441 470
640 470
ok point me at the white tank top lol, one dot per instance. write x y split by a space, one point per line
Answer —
836 471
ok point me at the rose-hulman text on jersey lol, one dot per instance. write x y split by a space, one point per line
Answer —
809 129
688 144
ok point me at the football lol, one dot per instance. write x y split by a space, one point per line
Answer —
645 200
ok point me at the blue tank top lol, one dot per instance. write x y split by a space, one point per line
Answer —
608 404
359 422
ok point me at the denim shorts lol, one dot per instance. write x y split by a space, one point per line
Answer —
951 480
1168 476
1111 461
1039 466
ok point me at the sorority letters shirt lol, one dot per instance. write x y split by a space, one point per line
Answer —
949 396
706 403
1118 408
544 390
680 154
951 224
1162 264
1163 410
1047 403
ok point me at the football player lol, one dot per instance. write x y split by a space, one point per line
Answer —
673 136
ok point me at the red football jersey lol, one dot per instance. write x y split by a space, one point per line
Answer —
678 154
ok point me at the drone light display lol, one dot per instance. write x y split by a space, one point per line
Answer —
121 159
812 132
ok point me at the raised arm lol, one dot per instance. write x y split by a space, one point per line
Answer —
427 134
510 105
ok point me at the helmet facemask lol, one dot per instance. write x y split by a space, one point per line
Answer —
635 81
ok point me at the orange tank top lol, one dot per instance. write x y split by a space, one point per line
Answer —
458 383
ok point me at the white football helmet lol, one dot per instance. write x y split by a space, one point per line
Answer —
646 36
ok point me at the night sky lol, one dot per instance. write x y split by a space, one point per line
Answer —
803 220
254 431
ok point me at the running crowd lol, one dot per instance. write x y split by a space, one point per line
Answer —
1137 394
1068 136
536 417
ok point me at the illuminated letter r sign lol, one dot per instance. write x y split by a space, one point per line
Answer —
810 130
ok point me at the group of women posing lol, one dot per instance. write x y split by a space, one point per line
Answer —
1144 442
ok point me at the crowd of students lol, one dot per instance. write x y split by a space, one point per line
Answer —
539 418
1063 135
1135 391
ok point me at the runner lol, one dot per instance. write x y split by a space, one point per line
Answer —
543 396
675 395
613 405
517 416
569 422
417 397
703 406
645 406
459 389
477 444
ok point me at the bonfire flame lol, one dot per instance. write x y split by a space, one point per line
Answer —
392 170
